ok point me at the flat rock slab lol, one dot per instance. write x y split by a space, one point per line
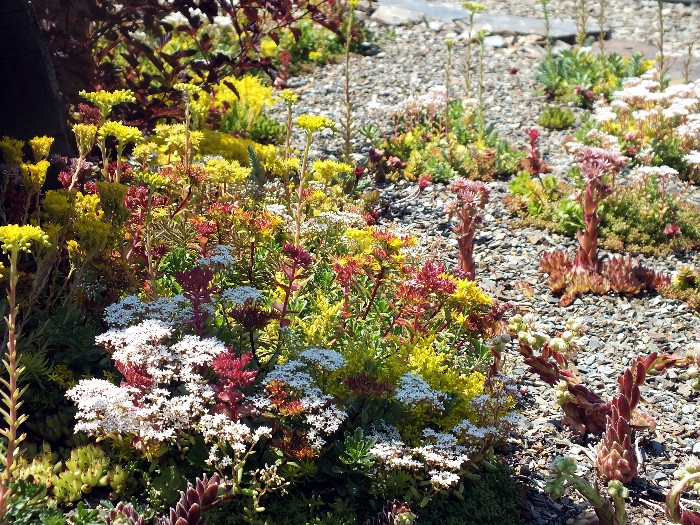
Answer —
403 12
627 47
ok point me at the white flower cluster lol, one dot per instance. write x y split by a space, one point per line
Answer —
156 410
653 107
693 158
131 309
433 101
328 360
219 257
241 295
414 389
332 221
321 414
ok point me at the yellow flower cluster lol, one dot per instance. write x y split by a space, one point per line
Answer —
84 137
289 97
41 146
174 137
123 133
268 47
11 150
313 123
438 370
474 7
16 238
106 100
34 175
221 144
468 292
224 171
252 98
327 170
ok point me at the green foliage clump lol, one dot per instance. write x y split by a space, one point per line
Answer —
635 217
571 74
493 497
554 117
685 286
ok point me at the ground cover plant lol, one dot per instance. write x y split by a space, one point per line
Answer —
581 77
640 213
261 333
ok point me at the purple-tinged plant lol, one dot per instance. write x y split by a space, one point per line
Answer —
598 168
472 197
533 163
124 514
298 261
393 513
585 411
195 502
197 287
615 457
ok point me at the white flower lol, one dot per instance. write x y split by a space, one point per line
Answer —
124 312
414 389
442 479
220 256
329 360
241 295
693 158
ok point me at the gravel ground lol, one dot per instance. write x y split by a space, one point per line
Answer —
619 328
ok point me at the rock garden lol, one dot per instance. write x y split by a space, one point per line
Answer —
338 262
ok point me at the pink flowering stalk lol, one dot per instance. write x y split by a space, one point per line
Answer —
298 260
596 166
197 287
472 197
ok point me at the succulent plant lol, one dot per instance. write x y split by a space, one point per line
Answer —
689 479
393 513
615 457
609 510
585 410
124 514
195 502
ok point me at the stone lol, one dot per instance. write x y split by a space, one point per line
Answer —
495 41
396 16
500 24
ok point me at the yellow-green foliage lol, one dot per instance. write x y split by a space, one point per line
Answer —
320 327
235 148
86 468
11 150
252 99
442 373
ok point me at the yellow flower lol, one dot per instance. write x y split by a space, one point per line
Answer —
315 56
268 47
226 171
474 7
469 292
363 238
145 152
11 150
106 100
88 206
84 137
34 175
123 133
290 97
14 237
41 146
326 170
312 123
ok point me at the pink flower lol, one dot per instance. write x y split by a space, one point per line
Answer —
672 231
